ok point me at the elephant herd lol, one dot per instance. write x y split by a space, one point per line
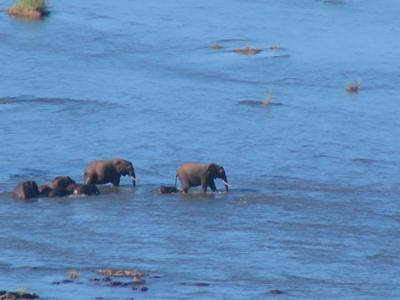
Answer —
110 171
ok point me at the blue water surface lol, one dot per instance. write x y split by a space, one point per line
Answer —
313 209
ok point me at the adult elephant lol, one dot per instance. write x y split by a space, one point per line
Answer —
192 174
61 182
58 187
109 171
26 190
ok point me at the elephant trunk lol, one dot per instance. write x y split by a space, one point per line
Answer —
225 181
133 177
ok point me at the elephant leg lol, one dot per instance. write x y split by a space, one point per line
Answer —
185 184
115 181
212 186
204 186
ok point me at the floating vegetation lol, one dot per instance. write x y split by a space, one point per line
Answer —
73 275
30 9
247 51
109 276
268 99
17 295
353 87
216 46
120 273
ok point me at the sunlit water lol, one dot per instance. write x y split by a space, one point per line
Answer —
314 206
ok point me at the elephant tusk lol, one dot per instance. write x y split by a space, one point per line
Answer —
226 183
133 178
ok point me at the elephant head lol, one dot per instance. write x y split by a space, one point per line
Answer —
26 190
124 168
216 171
61 182
86 189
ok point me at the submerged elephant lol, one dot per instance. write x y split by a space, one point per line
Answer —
61 182
62 186
58 187
191 175
109 171
83 189
26 190
167 189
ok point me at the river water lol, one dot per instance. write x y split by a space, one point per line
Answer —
313 210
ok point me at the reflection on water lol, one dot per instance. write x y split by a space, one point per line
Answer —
313 209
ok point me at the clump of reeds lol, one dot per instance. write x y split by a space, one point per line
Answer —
32 9
353 87
247 51
268 98
73 275
216 46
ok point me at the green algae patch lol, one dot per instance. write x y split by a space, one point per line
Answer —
29 9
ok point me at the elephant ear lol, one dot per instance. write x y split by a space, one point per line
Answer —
221 170
212 171
119 166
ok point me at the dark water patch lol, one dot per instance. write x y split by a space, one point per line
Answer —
23 100
199 284
334 2
324 156
96 16
383 258
257 103
304 280
279 56
210 75
233 40
276 292
28 173
367 161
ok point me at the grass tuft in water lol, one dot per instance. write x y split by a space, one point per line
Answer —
353 87
32 9
268 98
247 51
216 46
73 275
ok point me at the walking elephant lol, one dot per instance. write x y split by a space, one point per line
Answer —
192 174
109 171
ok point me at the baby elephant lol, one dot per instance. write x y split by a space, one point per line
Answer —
109 171
83 189
26 190
191 175
168 189
57 187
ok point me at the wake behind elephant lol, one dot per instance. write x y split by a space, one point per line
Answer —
192 175
109 171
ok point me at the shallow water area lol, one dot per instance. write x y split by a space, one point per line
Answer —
313 208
